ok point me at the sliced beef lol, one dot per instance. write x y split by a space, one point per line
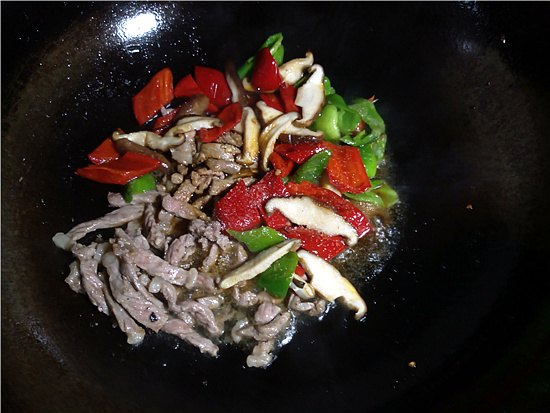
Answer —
212 231
92 284
181 209
113 219
214 150
135 303
268 331
219 165
184 153
74 279
184 331
152 229
125 322
265 313
202 314
115 199
260 356
181 249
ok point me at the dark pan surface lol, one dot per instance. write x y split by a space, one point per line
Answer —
464 91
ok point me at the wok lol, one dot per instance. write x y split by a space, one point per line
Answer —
465 96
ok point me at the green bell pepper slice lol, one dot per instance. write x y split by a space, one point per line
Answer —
137 186
369 160
258 239
368 113
380 194
327 122
274 42
276 279
312 169
329 90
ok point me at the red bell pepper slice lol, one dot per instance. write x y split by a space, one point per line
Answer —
230 116
105 152
129 166
270 186
342 206
282 165
299 271
288 96
272 100
187 87
346 170
300 152
237 210
265 75
157 93
213 84
323 245
161 123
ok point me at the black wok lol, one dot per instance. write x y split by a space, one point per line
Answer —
464 91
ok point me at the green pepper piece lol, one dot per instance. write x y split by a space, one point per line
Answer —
329 90
312 169
380 194
137 186
367 196
388 195
274 42
258 239
327 122
369 160
368 113
379 147
348 121
276 279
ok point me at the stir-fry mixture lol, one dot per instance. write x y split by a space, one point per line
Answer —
236 193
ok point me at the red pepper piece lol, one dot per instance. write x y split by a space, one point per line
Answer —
288 96
299 271
237 210
157 93
105 152
346 170
273 101
213 84
265 75
187 87
163 122
270 186
323 245
230 116
342 206
300 152
129 166
282 165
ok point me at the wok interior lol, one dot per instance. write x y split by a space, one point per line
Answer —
464 105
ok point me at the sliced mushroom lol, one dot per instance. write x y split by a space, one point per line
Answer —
303 210
293 70
311 96
190 123
238 94
330 284
267 113
124 145
301 287
149 139
271 132
251 135
260 263
314 135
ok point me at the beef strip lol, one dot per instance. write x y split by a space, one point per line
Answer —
216 150
184 331
212 231
181 209
231 138
202 314
220 185
185 191
141 309
90 280
268 331
151 263
139 281
260 356
183 154
115 199
152 229
313 308
125 322
74 279
219 165
113 219
265 313
181 249
210 260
